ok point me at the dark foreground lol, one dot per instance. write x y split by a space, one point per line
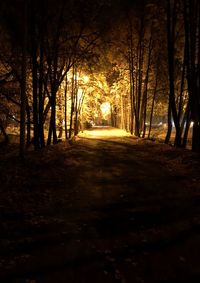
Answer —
106 209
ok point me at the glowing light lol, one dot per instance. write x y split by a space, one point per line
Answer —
86 79
117 96
107 132
105 109
191 124
80 95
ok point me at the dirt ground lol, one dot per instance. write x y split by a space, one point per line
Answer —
107 208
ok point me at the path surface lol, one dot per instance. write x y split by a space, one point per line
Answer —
109 208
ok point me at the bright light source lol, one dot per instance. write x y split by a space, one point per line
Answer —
105 109
191 124
86 79
80 94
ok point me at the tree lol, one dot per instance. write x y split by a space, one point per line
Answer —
23 86
192 49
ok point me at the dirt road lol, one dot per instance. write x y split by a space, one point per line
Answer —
109 208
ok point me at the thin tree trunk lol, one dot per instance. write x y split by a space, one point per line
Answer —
169 129
131 97
152 105
192 33
180 111
187 127
34 78
72 103
132 81
52 125
23 87
141 62
6 139
76 126
41 78
65 98
28 124
122 113
150 48
171 22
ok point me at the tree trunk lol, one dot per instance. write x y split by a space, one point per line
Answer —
6 139
52 126
150 48
65 98
131 98
140 76
171 22
23 87
28 124
41 79
186 122
192 37
169 129
152 105
34 78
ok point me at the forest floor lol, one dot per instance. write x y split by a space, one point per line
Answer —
107 208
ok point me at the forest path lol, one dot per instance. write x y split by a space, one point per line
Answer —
109 208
